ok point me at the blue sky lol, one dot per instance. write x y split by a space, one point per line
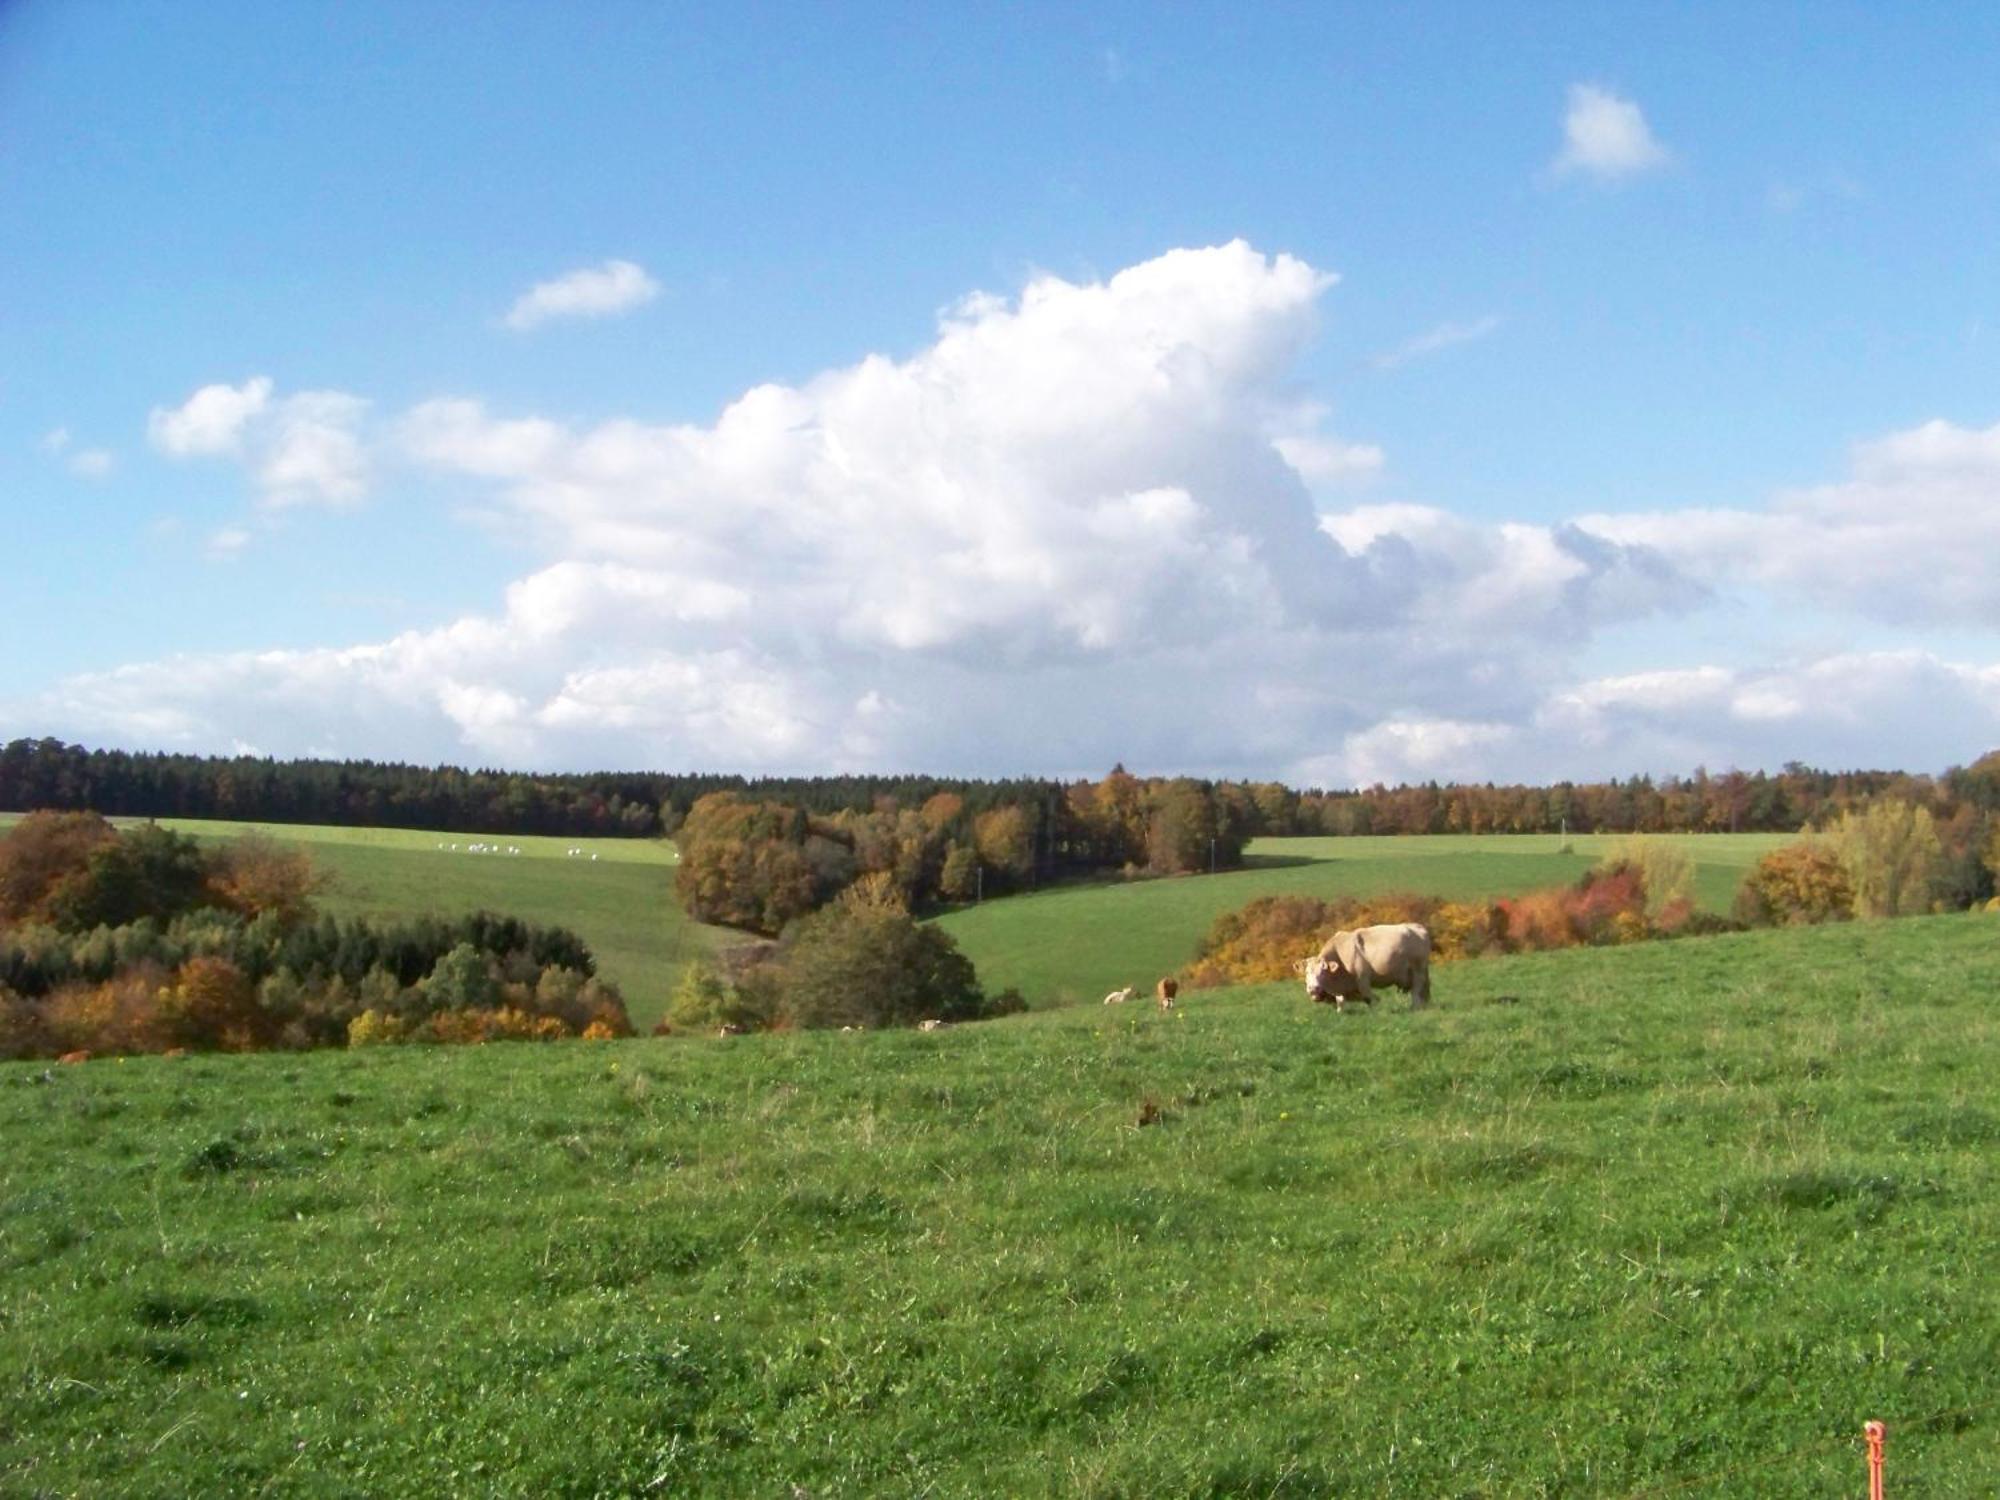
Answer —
1659 374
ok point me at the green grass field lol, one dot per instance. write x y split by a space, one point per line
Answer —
1079 942
621 902
1599 1222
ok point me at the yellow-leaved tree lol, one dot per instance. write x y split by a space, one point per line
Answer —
1892 855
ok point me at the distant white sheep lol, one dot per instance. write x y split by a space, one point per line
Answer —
1119 997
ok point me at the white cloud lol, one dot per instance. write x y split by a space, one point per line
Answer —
1084 469
211 421
1460 582
1407 749
589 292
226 543
1909 537
85 463
1432 340
302 449
312 452
1329 461
1912 709
1606 137
1079 526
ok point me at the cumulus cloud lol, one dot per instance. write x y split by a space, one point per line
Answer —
1092 521
1907 538
1606 137
1466 581
1911 709
302 449
1081 470
617 286
1075 512
211 421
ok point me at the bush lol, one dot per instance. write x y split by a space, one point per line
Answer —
1801 883
212 1005
22 1032
861 964
1261 942
118 1015
1465 929
1663 866
374 1028
704 1000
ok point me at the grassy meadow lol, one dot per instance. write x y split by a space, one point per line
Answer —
621 903
1600 1221
1079 942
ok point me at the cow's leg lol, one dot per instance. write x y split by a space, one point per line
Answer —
1420 987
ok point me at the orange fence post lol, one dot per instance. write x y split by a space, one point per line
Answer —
1874 1432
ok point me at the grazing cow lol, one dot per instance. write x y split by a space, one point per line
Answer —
1351 964
1165 991
81 1055
1119 997
932 1025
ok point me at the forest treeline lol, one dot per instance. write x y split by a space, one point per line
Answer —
47 773
142 941
759 863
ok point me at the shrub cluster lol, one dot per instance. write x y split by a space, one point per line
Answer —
1889 859
141 942
1262 942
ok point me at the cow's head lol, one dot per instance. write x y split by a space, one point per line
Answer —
1328 981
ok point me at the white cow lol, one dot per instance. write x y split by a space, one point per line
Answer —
1119 997
1352 963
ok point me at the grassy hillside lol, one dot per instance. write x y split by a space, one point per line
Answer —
1080 942
1600 1221
621 902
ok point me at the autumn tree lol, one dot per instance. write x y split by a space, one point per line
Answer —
147 871
1005 841
256 875
40 854
1799 883
1893 857
958 879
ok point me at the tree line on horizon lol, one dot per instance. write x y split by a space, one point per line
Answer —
47 773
